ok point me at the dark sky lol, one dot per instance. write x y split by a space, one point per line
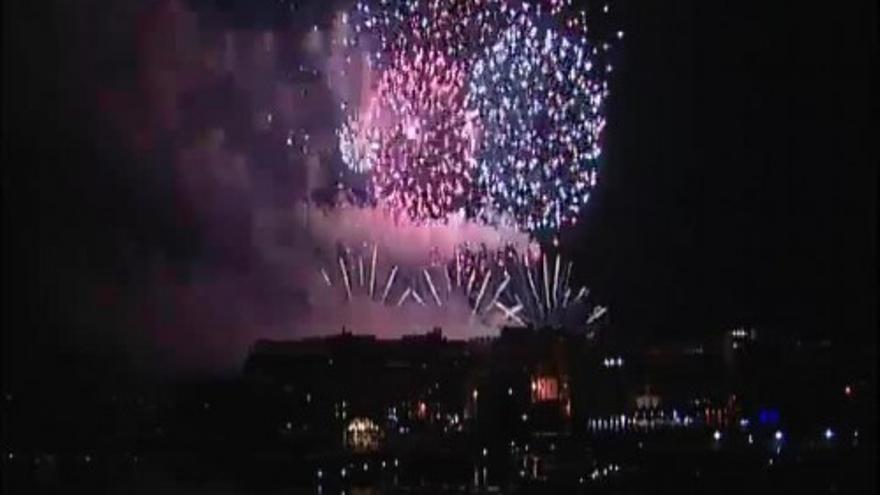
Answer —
740 185
739 179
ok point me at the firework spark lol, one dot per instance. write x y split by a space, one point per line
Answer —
357 145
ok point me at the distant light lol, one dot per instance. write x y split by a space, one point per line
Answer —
778 435
620 35
485 451
525 417
744 423
768 416
342 472
619 361
383 464
751 440
475 394
366 467
847 390
320 474
829 434
717 435
509 391
396 462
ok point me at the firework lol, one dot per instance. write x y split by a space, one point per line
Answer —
357 145
539 98
489 110
500 287
525 290
516 143
548 302
423 138
357 271
413 135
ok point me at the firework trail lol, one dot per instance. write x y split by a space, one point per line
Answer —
401 284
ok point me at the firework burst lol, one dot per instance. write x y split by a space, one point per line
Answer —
540 99
422 138
524 288
353 148
491 108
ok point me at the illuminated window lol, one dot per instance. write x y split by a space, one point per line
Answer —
545 388
362 435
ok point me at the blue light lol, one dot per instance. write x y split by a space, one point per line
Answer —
768 416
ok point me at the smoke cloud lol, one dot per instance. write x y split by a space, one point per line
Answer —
232 130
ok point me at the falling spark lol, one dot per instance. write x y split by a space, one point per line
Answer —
404 296
431 285
373 270
344 272
480 294
389 282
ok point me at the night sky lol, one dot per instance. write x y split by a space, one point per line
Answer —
739 187
739 184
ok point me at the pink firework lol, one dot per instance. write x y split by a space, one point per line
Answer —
422 138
